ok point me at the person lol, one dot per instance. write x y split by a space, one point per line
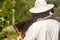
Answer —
45 26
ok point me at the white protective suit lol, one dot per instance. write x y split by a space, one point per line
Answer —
43 30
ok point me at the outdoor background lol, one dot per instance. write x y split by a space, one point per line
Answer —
21 13
23 6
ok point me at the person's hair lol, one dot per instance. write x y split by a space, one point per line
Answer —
43 14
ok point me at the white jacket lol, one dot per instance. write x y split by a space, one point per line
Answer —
43 30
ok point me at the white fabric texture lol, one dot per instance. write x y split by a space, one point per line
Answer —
43 30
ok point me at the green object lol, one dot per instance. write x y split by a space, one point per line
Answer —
2 18
0 10
2 35
57 11
11 33
1 28
55 2
22 10
6 10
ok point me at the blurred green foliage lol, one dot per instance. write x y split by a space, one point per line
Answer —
6 7
22 10
4 22
2 35
23 6
57 11
1 28
55 2
5 12
10 33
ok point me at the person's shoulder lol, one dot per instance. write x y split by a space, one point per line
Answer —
49 20
46 21
52 20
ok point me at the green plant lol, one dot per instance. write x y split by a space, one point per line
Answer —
0 28
11 33
22 10
2 35
57 11
55 2
8 33
6 7
3 22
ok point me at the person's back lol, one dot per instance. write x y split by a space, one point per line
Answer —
43 30
45 26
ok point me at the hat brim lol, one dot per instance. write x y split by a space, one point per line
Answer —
41 9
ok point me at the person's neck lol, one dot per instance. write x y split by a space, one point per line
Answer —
47 17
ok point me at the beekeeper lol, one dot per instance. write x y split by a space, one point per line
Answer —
45 26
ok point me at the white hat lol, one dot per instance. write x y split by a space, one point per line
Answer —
41 6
